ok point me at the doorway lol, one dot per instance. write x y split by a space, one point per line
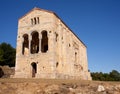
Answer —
34 69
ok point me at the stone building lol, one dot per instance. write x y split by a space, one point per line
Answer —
47 48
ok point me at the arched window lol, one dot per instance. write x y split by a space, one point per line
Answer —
35 21
25 47
44 42
34 69
38 20
32 21
35 42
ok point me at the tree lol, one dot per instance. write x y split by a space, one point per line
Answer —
112 76
115 74
1 56
7 54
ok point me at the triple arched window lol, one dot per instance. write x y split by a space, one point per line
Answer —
35 21
33 46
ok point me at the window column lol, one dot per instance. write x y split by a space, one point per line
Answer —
30 39
40 39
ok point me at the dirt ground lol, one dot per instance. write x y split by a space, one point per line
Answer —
57 86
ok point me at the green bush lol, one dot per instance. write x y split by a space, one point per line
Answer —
7 55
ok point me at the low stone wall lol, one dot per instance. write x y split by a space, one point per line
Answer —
8 71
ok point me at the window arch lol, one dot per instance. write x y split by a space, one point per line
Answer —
44 42
35 20
35 42
34 69
25 46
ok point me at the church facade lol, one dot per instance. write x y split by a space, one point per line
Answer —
48 48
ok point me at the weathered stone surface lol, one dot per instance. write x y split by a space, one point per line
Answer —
101 88
47 48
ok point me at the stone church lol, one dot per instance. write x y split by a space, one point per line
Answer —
48 48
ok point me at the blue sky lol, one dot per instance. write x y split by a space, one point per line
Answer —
95 22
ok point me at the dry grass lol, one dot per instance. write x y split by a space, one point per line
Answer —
55 86
53 81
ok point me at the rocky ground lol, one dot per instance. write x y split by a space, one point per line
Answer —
47 86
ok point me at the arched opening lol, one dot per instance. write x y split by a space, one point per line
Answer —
35 43
35 22
34 69
38 20
32 21
44 42
25 46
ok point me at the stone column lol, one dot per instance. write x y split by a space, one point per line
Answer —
30 39
40 39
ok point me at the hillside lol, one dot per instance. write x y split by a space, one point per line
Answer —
48 86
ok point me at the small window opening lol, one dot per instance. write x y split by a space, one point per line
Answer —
69 45
32 21
35 22
56 37
57 64
75 57
38 20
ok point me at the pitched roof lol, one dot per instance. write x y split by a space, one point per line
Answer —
35 8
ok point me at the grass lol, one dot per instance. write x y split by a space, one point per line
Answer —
53 81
